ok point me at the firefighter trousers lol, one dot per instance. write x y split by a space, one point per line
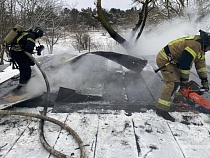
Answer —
24 64
171 79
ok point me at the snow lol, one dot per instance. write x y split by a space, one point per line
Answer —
108 135
8 73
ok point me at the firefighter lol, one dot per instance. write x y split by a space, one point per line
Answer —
176 60
25 41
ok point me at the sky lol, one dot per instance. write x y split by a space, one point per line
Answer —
107 4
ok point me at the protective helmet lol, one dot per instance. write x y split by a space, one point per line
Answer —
38 31
205 36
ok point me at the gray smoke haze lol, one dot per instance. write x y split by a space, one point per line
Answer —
150 43
153 40
58 75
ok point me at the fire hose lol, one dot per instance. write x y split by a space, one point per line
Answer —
43 118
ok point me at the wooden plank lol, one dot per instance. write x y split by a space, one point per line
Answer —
14 99
52 132
115 137
192 139
154 137
12 129
86 126
11 133
29 142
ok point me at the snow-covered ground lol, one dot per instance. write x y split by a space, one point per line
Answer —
143 135
107 136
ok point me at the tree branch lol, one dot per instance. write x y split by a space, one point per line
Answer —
110 30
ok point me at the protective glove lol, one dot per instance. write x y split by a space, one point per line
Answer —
205 85
39 49
183 89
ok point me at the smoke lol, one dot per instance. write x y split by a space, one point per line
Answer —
36 84
66 77
150 43
154 39
59 74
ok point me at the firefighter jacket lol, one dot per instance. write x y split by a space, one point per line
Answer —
25 41
184 52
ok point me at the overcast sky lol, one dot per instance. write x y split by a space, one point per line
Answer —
107 4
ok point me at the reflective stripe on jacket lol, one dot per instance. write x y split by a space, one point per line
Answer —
24 42
187 50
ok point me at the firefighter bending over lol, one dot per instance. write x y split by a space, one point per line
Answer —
24 41
178 57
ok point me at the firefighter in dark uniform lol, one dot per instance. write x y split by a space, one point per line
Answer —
181 54
24 42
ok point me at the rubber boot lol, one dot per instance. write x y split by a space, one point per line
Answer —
164 114
18 90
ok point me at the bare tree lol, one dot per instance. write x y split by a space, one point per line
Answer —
7 22
45 14
2 28
141 23
53 34
52 24
168 9
105 24
143 13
